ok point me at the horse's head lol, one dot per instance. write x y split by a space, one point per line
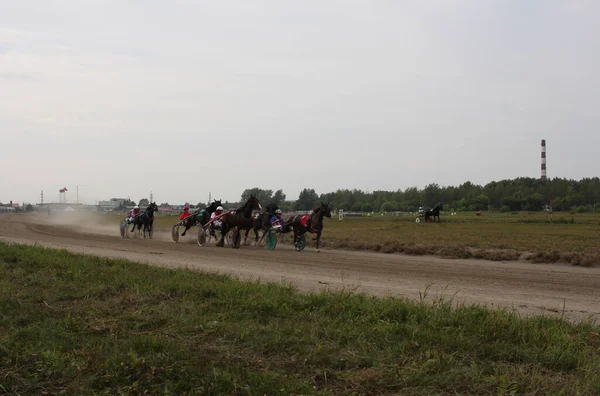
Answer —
254 204
213 206
152 207
272 208
326 209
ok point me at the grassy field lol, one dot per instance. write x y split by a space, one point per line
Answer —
77 324
560 237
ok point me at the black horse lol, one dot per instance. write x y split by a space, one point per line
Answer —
435 212
146 220
201 217
241 219
313 225
262 222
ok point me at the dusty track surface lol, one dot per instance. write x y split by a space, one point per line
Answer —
528 288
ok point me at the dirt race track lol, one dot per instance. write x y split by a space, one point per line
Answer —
528 288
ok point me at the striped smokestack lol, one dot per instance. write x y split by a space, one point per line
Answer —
543 160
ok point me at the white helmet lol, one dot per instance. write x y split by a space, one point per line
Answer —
278 211
136 207
219 208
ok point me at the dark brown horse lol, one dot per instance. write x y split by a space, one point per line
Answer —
262 222
146 220
200 217
241 219
435 212
313 225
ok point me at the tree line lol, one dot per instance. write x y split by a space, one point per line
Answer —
521 194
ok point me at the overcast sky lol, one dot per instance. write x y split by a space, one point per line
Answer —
187 97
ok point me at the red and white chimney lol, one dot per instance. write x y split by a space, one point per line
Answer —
543 160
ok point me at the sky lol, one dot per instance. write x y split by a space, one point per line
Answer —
183 98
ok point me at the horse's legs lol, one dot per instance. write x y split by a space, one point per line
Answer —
246 237
224 230
256 235
318 240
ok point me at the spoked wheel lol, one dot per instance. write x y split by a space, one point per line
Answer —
271 240
123 229
417 220
236 238
175 233
203 236
301 242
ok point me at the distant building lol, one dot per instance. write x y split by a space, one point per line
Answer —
9 207
111 204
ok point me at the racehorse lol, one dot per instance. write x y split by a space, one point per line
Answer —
240 218
435 212
146 219
312 223
262 222
202 217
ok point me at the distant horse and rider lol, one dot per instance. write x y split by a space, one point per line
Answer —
433 213
239 220
262 221
200 217
312 222
145 219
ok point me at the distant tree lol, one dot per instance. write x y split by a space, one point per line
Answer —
307 199
278 198
165 204
389 206
144 202
481 202
28 208
286 206
264 196
367 207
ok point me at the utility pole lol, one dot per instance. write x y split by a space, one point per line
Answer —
42 198
77 194
209 199
151 197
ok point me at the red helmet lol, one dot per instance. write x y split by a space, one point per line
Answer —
186 208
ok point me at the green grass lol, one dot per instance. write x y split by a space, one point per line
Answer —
537 237
81 325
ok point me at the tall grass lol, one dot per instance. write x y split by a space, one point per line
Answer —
80 325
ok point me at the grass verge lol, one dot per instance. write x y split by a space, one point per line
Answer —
81 324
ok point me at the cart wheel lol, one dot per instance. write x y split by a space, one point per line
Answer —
175 233
271 240
301 242
417 220
203 236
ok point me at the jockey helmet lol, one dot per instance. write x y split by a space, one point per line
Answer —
278 211
220 208
136 207
186 208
